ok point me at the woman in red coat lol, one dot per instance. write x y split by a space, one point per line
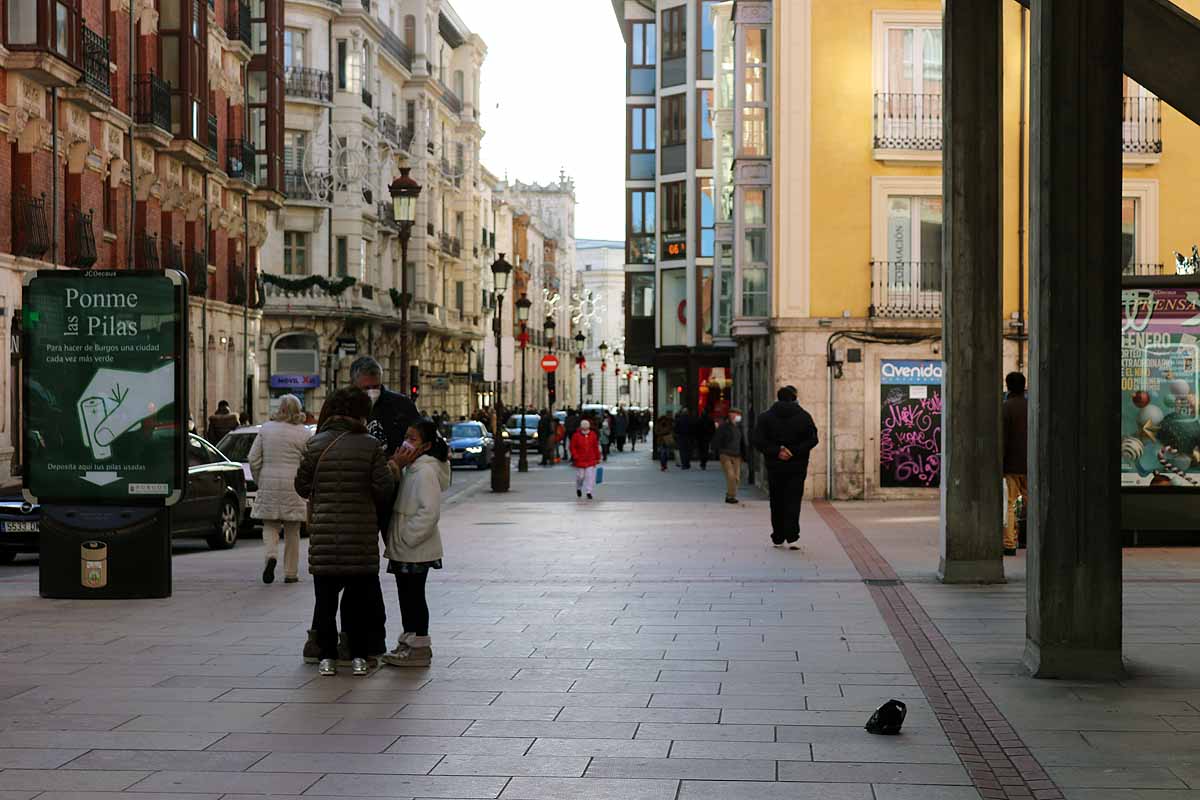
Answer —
585 452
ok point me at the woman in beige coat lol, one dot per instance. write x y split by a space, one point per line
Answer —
274 459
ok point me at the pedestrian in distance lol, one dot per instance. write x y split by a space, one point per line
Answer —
585 452
785 434
684 430
730 444
414 543
220 423
546 442
1015 417
345 477
620 428
570 426
705 430
664 439
274 460
605 434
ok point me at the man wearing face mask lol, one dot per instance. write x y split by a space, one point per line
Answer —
730 444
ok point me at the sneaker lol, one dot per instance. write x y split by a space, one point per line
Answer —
291 579
312 650
731 500
579 492
411 657
269 571
360 668
793 545
327 667
1010 551
589 495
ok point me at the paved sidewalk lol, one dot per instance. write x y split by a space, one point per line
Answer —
648 644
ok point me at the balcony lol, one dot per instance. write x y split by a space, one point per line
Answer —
1141 128
240 160
393 45
908 127
366 4
172 255
237 23
95 62
81 238
308 84
444 242
906 289
388 128
237 285
153 108
406 138
31 232
43 37
211 142
366 98
1142 270
145 251
315 189
197 272
452 101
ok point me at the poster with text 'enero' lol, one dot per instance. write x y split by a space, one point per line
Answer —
910 424
1160 382
105 409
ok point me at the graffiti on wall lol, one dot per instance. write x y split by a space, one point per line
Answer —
910 424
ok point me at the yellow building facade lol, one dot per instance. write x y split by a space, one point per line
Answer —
855 202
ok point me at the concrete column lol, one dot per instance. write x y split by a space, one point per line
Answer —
972 504
1073 618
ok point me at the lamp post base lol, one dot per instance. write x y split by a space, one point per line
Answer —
500 468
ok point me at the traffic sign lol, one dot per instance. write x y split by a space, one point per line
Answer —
105 399
550 362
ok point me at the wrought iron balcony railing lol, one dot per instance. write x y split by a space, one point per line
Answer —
406 138
240 160
95 62
394 45
908 121
297 187
153 101
366 97
145 251
388 128
172 255
197 272
429 228
1141 125
81 238
444 241
237 22
237 284
1142 269
212 143
31 231
310 84
906 289
452 101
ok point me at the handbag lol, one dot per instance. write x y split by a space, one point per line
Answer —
599 475
316 471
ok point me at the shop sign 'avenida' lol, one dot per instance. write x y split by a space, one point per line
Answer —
104 398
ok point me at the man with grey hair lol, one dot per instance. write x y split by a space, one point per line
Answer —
391 412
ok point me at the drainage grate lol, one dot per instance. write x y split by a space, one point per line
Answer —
881 582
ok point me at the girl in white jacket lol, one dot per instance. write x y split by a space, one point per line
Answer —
414 544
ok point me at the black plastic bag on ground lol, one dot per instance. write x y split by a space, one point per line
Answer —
887 719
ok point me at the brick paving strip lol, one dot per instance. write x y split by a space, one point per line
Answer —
999 763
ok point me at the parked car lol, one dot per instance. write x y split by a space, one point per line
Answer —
236 446
211 506
512 428
470 445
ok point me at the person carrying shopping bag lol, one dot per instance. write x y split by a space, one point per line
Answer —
585 452
274 458
414 543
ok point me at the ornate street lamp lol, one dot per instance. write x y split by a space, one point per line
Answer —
579 340
603 368
617 373
523 317
548 327
404 191
501 270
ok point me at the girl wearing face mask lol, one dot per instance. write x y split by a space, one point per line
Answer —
585 452
730 444
414 543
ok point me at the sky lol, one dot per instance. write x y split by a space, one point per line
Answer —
553 90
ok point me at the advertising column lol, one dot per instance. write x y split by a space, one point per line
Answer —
105 427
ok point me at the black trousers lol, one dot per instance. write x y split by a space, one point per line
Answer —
414 611
355 593
787 490
702 448
374 617
685 450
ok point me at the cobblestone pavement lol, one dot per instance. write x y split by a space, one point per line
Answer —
648 644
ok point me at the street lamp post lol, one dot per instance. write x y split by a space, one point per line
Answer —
603 368
523 317
404 191
549 327
501 270
579 340
617 374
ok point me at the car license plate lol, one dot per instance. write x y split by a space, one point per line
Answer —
458 456
21 527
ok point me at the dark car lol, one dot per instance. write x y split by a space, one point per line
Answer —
470 445
512 428
20 523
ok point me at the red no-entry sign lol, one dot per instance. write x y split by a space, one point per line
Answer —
550 362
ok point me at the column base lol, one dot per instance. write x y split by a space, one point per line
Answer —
1072 663
983 571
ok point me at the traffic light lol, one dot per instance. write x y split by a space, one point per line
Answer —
414 382
551 388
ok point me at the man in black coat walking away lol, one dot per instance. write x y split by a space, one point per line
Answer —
706 428
684 425
785 434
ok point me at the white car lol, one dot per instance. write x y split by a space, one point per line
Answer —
236 446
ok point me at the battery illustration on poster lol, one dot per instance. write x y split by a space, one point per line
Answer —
1160 382
910 424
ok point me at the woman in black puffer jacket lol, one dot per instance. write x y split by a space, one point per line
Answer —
344 474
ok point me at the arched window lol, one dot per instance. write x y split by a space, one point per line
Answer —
410 32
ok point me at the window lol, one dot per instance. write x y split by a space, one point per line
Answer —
106 195
641 226
674 46
704 144
182 38
460 85
343 256
674 134
460 290
914 241
706 40
674 311
674 240
1139 227
708 217
643 57
294 143
908 81
410 32
343 66
724 319
912 59
295 253
755 253
756 93
294 47
1129 237
643 137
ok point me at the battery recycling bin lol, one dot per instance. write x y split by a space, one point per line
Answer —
105 552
